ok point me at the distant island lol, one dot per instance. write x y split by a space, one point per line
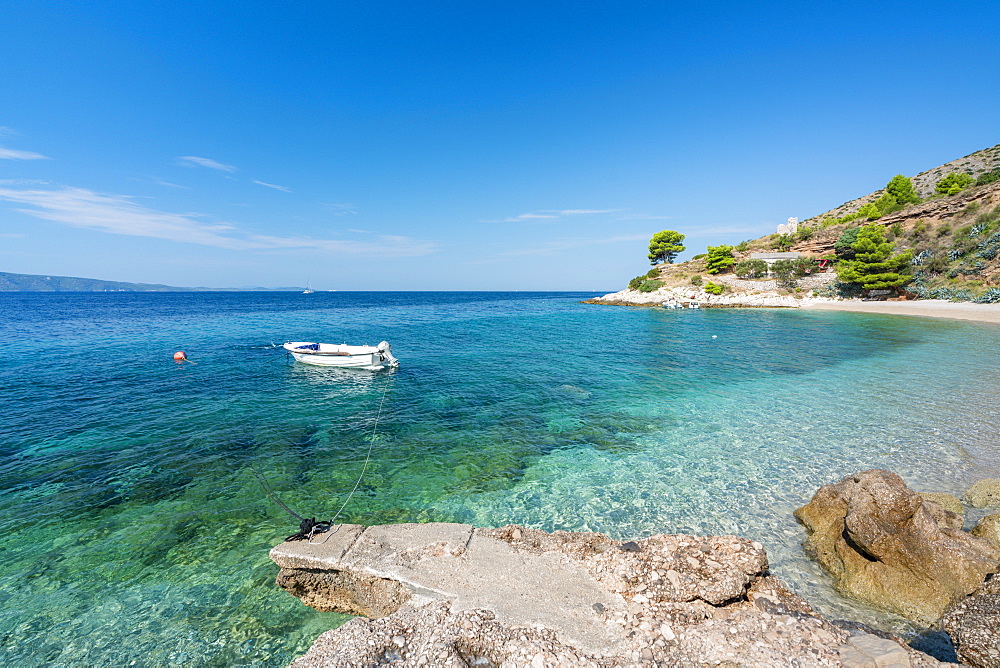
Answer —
36 283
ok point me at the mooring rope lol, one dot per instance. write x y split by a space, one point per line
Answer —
310 525
371 444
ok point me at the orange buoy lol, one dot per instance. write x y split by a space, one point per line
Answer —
180 356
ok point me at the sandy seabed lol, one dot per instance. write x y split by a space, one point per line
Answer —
931 308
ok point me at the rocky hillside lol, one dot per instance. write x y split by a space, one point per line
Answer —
974 164
955 241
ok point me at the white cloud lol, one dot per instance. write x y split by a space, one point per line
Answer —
195 161
561 245
271 185
13 154
170 184
641 216
552 214
115 214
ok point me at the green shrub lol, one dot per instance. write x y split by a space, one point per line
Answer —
953 184
886 204
700 256
719 258
782 243
971 209
636 282
869 211
743 247
751 268
696 280
902 190
943 230
786 272
714 289
988 177
653 273
897 228
805 233
650 286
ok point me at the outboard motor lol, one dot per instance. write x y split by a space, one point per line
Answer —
385 352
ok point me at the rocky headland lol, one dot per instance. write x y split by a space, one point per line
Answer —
456 595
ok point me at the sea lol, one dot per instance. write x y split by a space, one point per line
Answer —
134 521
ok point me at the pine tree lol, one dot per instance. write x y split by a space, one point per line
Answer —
902 189
874 266
719 258
664 246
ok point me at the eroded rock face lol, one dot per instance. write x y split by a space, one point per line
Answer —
524 597
974 627
881 543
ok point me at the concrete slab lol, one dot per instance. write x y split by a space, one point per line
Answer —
324 551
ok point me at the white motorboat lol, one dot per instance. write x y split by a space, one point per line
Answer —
373 358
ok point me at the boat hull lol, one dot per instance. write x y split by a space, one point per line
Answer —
373 362
373 358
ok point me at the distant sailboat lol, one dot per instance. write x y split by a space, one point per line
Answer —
309 288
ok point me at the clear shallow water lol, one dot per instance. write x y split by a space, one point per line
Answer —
133 528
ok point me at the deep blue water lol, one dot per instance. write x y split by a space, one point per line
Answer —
134 529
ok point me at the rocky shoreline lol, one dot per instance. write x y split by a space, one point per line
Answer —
931 308
456 595
685 295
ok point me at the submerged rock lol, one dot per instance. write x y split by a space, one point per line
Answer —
984 494
974 627
988 529
949 502
455 595
885 545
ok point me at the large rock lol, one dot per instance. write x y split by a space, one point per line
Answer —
984 494
455 595
974 627
988 528
881 543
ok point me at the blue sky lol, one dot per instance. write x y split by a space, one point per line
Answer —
460 145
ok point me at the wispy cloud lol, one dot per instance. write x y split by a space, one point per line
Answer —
558 246
170 184
641 216
552 214
13 154
115 214
195 161
271 185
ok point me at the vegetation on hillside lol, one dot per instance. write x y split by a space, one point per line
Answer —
936 235
875 266
665 246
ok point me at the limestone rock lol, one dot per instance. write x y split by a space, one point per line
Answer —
880 542
974 627
516 596
984 494
988 529
949 502
946 519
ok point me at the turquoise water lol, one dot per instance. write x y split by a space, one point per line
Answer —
134 529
